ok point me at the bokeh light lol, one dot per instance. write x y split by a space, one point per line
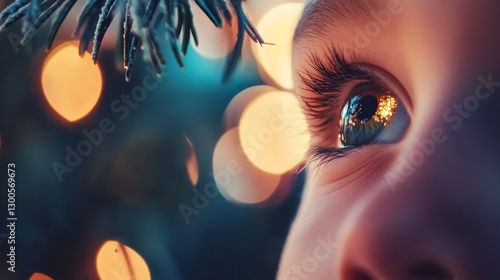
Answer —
71 84
117 261
213 42
277 27
39 276
255 10
238 104
273 132
237 179
192 164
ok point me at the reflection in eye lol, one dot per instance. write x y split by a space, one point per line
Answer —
367 113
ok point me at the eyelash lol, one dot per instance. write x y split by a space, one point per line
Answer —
327 81
323 155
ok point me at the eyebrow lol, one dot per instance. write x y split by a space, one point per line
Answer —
320 15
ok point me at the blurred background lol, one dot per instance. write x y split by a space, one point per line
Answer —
174 177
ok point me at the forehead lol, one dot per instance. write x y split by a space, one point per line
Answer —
454 27
321 15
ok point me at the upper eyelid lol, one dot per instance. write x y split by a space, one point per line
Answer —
321 156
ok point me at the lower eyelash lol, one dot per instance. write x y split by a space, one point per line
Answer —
323 155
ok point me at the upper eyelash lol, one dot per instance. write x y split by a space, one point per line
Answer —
327 80
332 74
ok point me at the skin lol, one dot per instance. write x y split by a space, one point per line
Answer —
442 220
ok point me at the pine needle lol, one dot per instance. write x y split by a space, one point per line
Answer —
139 22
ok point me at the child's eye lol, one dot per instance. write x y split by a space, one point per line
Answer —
344 117
372 114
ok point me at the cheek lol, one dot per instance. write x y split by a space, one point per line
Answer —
330 194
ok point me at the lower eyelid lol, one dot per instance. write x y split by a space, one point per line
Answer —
331 155
363 161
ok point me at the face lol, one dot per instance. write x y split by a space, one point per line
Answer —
402 101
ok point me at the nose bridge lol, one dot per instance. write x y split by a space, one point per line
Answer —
456 130
381 242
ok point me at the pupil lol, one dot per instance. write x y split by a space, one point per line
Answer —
367 107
